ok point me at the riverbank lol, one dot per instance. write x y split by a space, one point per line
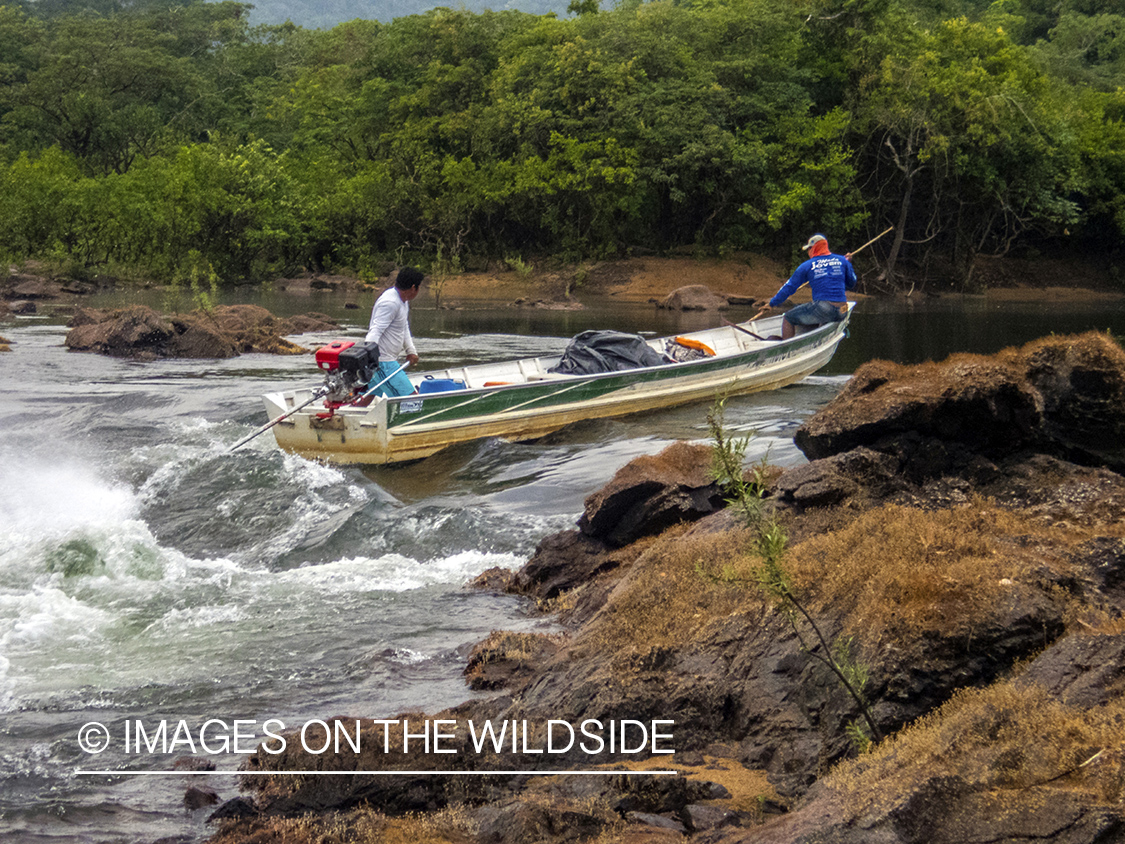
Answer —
954 548
742 278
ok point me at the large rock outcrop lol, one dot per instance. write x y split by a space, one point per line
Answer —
1059 395
694 297
141 333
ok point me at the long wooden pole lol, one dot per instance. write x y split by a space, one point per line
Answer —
316 395
855 252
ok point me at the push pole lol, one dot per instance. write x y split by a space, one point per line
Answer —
316 395
857 251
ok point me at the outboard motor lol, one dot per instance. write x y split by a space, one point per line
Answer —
348 367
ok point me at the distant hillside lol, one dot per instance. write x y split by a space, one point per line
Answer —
325 14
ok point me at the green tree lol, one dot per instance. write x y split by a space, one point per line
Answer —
968 144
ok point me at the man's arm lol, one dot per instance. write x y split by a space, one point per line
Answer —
408 344
790 287
381 316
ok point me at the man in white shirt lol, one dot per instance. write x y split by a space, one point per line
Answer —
390 328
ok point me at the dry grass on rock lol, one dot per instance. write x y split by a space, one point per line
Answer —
1002 738
898 571
665 600
360 826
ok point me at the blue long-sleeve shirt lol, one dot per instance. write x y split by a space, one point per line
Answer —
828 276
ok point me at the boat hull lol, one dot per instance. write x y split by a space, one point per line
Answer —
414 427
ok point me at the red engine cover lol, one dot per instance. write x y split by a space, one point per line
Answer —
328 357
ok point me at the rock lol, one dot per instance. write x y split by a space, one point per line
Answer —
193 763
700 817
944 809
658 821
1084 670
312 321
22 307
831 480
200 338
223 332
694 297
975 402
35 288
504 659
562 562
124 333
199 797
1059 395
5 344
1105 557
238 807
650 494
495 579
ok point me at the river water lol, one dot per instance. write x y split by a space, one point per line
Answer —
149 575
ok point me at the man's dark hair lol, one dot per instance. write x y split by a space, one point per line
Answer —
408 277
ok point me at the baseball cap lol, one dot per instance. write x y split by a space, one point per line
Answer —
816 238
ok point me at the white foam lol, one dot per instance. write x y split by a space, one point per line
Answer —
43 501
395 572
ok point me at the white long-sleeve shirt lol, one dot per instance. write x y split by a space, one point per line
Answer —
390 326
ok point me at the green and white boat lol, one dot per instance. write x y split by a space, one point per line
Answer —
521 399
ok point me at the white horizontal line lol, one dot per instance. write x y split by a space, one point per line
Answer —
380 773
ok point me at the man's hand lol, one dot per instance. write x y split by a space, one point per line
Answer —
412 359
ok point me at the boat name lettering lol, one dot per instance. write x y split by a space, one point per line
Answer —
411 406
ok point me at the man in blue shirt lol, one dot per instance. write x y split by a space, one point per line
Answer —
828 276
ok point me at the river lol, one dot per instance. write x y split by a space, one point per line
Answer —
149 575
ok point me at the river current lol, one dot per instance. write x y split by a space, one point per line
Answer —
148 574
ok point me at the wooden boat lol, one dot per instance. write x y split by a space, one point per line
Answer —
521 399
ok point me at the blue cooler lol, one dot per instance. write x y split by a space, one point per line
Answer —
439 385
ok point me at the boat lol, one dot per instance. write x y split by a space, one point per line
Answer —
523 399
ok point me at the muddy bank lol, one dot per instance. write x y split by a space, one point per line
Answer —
956 539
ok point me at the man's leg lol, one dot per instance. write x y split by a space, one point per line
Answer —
397 385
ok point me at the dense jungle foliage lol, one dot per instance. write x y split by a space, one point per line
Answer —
173 140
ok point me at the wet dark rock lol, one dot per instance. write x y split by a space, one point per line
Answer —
307 323
238 807
123 333
505 659
561 562
141 333
694 297
650 494
199 797
193 763
22 307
